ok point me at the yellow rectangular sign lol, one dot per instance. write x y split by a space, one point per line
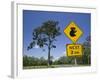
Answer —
74 50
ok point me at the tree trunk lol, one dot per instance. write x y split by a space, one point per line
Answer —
49 51
49 56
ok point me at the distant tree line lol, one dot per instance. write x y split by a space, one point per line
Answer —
33 61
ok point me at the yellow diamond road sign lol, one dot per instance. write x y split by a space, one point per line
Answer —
74 50
73 31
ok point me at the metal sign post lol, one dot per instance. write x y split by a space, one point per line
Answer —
75 61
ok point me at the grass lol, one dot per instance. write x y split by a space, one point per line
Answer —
53 66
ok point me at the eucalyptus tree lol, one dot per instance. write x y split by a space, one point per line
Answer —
45 35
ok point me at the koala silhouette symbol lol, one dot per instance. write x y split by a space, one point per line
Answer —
72 32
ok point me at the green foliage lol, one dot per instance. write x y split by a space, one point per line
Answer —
63 60
87 56
87 51
33 61
45 35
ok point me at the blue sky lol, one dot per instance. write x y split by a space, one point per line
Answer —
33 19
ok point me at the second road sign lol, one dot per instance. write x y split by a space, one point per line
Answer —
74 50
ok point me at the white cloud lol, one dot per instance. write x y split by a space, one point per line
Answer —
36 46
